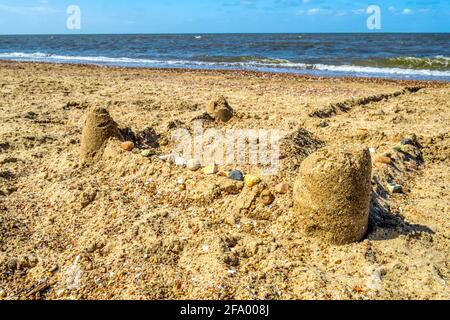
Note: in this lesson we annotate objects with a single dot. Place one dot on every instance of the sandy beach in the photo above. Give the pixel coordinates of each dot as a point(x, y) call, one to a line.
point(123, 228)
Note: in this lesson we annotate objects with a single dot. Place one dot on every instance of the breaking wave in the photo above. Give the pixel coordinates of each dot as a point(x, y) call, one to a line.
point(408, 67)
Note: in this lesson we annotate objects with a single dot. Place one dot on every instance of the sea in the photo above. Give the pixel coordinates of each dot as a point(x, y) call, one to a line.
point(396, 56)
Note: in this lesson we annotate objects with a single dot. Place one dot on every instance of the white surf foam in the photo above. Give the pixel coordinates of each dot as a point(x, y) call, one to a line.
point(267, 64)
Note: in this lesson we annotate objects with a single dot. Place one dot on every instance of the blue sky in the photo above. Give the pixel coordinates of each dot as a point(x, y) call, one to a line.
point(220, 16)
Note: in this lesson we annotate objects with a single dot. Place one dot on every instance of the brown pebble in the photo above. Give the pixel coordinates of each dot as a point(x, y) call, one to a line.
point(267, 198)
point(383, 159)
point(127, 146)
point(282, 188)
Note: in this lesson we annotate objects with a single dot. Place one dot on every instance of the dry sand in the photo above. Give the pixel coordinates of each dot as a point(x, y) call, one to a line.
point(123, 229)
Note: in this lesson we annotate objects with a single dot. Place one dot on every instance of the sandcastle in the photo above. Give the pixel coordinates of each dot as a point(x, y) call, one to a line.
point(332, 194)
point(98, 128)
point(219, 109)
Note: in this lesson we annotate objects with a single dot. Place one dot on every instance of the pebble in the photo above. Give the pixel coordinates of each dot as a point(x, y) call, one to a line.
point(267, 198)
point(223, 174)
point(211, 169)
point(395, 188)
point(251, 181)
point(383, 159)
point(282, 188)
point(181, 181)
point(170, 158)
point(193, 164)
point(236, 175)
point(127, 146)
point(180, 162)
point(372, 150)
point(147, 153)
point(2, 294)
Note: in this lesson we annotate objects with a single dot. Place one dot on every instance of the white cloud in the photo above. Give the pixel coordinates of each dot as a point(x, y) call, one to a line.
point(407, 11)
point(27, 10)
point(392, 9)
point(318, 11)
point(359, 11)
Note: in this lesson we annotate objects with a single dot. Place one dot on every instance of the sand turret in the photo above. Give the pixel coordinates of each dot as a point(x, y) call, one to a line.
point(98, 128)
point(332, 194)
point(219, 109)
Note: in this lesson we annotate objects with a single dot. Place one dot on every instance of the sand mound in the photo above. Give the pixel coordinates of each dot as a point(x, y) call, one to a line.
point(332, 194)
point(98, 128)
point(295, 147)
point(219, 109)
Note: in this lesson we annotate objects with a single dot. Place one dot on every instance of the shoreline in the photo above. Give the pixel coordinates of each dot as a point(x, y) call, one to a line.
point(259, 74)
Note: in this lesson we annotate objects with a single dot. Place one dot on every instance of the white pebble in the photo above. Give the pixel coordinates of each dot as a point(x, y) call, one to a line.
point(180, 162)
point(193, 164)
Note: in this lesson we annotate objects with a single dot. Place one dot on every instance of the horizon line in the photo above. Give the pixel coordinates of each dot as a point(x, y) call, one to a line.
point(214, 33)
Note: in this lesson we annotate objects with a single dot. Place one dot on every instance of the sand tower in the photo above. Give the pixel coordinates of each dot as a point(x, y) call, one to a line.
point(332, 194)
point(219, 109)
point(98, 128)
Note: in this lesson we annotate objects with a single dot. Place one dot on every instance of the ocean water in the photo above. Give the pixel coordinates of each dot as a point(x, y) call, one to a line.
point(399, 56)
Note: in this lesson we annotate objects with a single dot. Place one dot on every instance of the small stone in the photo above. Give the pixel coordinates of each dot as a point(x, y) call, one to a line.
point(170, 158)
point(251, 181)
point(211, 169)
point(2, 294)
point(193, 164)
point(372, 150)
point(223, 174)
point(267, 198)
point(181, 181)
point(180, 162)
point(282, 188)
point(394, 188)
point(398, 148)
point(182, 187)
point(236, 175)
point(148, 153)
point(382, 159)
point(127, 146)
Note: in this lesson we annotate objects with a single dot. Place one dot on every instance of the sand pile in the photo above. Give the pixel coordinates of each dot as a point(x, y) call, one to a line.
point(219, 109)
point(296, 146)
point(332, 194)
point(98, 128)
